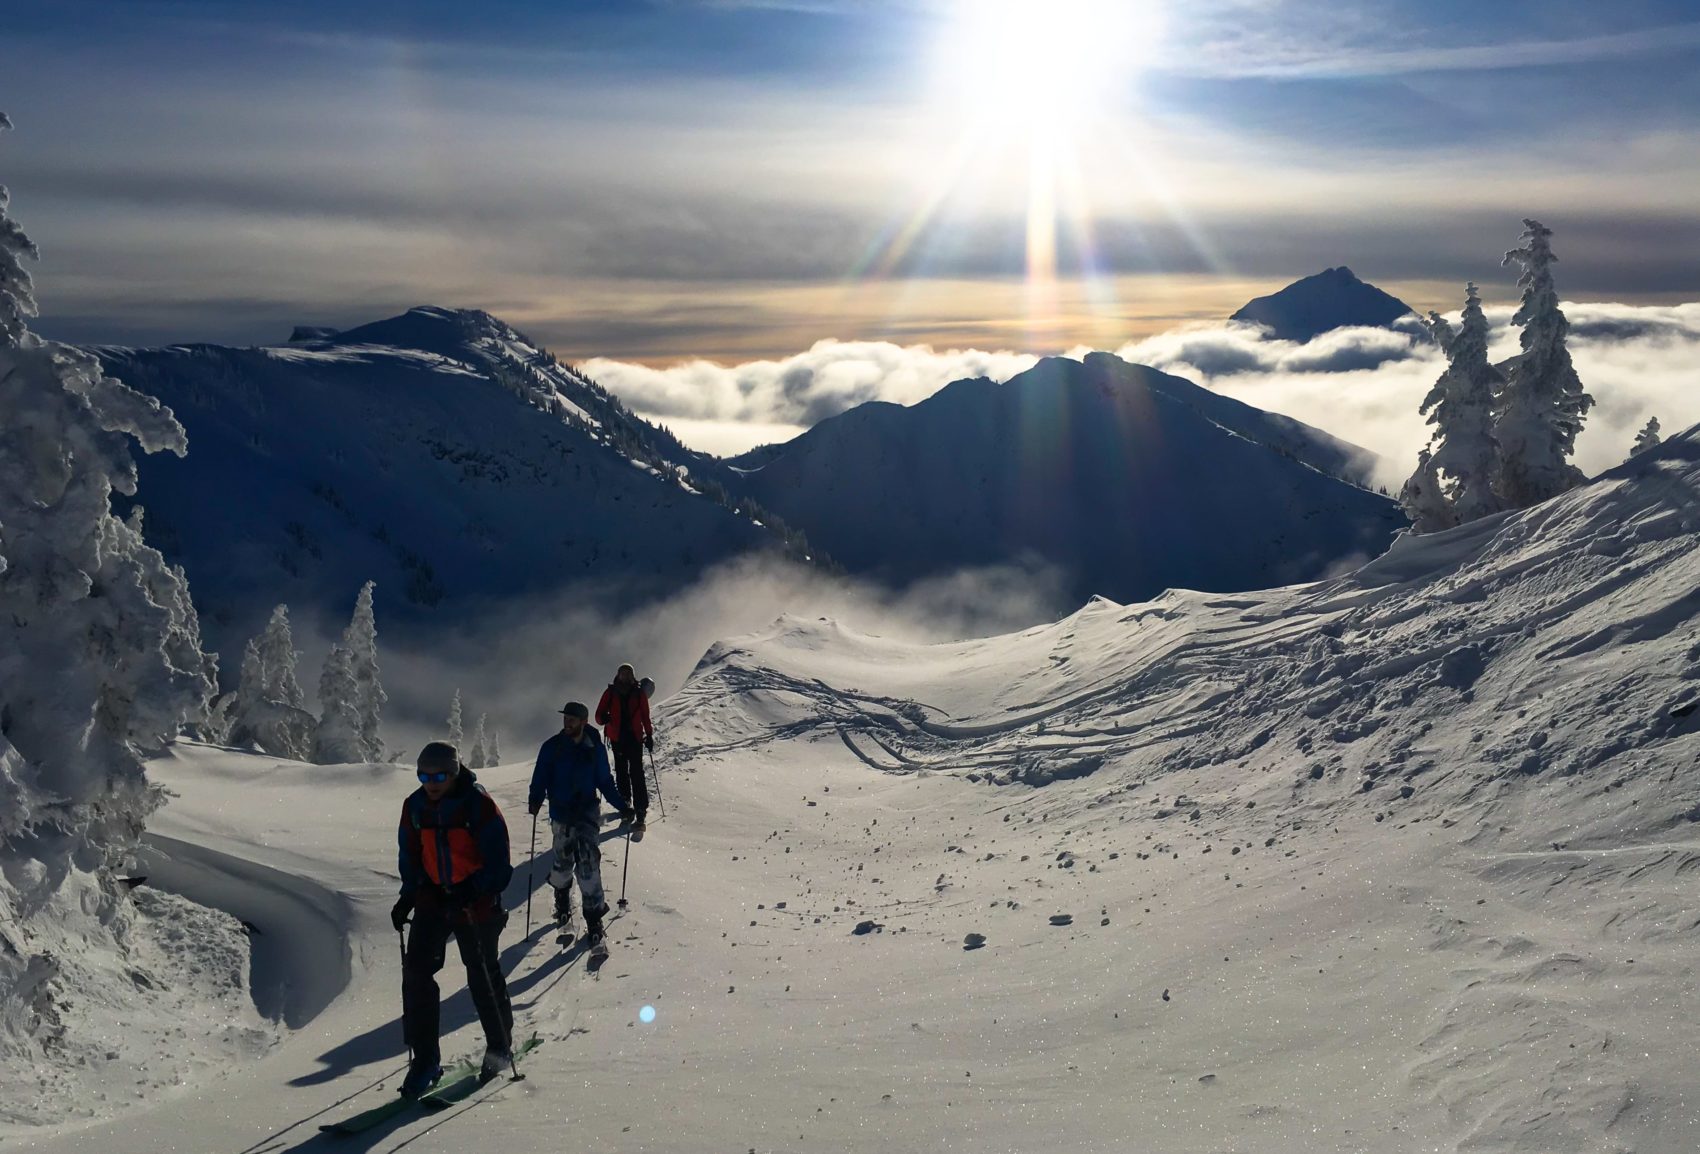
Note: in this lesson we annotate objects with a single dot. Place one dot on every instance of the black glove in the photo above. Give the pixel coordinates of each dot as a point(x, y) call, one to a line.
point(399, 912)
point(649, 743)
point(535, 807)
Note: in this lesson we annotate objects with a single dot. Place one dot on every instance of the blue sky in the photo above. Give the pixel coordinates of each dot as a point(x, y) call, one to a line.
point(660, 180)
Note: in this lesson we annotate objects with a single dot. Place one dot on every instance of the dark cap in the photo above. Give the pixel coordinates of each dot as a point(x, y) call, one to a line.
point(576, 709)
point(439, 755)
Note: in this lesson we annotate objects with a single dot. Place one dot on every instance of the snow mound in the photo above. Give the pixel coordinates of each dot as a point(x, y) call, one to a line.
point(170, 1008)
point(1477, 749)
point(1356, 670)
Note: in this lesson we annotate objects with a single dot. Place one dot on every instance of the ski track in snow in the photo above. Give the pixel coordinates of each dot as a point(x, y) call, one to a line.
point(1398, 861)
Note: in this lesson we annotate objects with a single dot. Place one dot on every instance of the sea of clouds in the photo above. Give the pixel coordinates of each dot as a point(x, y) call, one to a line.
point(1362, 384)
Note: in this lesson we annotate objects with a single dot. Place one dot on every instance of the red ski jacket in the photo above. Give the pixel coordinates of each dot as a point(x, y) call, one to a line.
point(611, 715)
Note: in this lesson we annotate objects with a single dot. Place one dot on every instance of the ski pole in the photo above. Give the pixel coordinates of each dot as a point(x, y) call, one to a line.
point(406, 1038)
point(490, 988)
point(623, 868)
point(659, 800)
point(530, 867)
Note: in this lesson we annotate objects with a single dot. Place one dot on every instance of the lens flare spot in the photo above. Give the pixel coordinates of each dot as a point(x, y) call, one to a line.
point(646, 1015)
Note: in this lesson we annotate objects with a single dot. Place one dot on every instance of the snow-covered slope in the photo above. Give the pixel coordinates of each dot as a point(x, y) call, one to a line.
point(438, 453)
point(1128, 480)
point(1332, 299)
point(1398, 861)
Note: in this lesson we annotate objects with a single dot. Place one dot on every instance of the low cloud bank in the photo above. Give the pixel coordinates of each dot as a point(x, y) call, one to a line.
point(1361, 384)
point(520, 662)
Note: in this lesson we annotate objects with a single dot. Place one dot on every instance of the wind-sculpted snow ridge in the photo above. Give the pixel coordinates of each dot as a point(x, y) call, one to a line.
point(1355, 673)
point(1499, 722)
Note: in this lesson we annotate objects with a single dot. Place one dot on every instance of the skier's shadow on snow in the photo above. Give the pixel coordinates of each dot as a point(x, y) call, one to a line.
point(385, 1042)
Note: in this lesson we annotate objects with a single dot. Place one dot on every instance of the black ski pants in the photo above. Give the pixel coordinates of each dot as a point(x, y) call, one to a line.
point(421, 1001)
point(628, 773)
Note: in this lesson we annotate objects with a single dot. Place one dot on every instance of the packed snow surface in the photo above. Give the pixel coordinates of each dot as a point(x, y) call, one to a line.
point(1398, 861)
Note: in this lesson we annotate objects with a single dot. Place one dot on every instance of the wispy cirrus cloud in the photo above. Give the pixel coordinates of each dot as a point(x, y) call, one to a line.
point(1280, 57)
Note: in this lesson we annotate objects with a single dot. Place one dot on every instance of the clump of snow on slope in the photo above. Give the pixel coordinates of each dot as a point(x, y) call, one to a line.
point(169, 1009)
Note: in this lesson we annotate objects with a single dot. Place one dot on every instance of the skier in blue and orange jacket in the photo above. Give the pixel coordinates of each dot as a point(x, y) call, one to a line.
point(454, 866)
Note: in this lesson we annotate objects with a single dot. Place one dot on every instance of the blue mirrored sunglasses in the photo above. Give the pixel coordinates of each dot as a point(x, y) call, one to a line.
point(435, 778)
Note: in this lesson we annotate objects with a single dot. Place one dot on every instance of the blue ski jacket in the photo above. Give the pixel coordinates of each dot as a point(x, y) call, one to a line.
point(569, 773)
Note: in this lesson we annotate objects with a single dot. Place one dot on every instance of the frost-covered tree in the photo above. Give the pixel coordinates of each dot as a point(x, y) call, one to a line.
point(1647, 437)
point(1543, 404)
point(1424, 500)
point(493, 749)
point(457, 732)
point(1460, 407)
point(360, 640)
point(277, 661)
point(270, 709)
point(100, 659)
point(1441, 330)
point(478, 759)
point(336, 740)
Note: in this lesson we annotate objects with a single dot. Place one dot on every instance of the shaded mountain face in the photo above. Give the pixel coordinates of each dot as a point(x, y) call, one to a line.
point(1329, 300)
point(438, 453)
point(1126, 479)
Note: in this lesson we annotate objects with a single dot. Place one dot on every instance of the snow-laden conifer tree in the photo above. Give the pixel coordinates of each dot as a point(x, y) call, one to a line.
point(1647, 437)
point(336, 740)
point(1543, 404)
point(270, 709)
point(1423, 499)
point(360, 639)
point(100, 661)
point(457, 732)
point(493, 749)
point(1460, 406)
point(277, 661)
point(1441, 330)
point(477, 759)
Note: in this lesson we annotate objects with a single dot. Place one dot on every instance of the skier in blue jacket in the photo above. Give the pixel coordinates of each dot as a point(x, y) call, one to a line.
point(571, 767)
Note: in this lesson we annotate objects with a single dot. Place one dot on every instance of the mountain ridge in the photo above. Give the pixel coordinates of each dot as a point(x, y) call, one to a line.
point(1080, 433)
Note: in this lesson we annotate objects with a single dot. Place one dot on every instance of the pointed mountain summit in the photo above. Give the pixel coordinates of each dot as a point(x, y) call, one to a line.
point(1125, 479)
point(1332, 299)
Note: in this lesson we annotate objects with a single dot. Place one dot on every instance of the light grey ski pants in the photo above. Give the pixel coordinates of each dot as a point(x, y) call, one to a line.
point(577, 854)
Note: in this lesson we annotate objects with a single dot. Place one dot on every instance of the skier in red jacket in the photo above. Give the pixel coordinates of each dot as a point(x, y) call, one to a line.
point(623, 714)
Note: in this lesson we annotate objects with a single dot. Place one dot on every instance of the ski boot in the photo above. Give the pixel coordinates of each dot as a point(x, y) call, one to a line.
point(594, 934)
point(496, 1062)
point(420, 1078)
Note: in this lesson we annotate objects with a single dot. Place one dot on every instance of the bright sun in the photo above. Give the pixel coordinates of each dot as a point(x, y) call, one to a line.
point(1042, 66)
